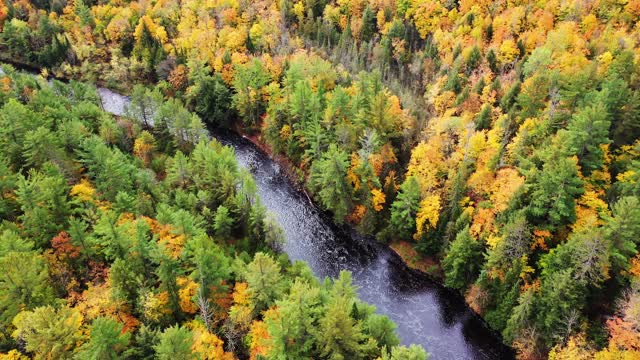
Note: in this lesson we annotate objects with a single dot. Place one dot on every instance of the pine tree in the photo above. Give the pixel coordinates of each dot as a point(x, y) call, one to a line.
point(328, 180)
point(587, 131)
point(623, 230)
point(413, 352)
point(339, 335)
point(265, 281)
point(223, 222)
point(553, 192)
point(175, 343)
point(247, 99)
point(213, 100)
point(462, 262)
point(405, 208)
point(107, 340)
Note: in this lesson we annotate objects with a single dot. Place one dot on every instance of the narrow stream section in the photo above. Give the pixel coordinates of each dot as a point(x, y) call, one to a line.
point(426, 313)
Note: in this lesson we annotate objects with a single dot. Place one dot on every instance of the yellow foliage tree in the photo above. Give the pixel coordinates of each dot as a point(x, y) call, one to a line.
point(207, 345)
point(377, 199)
point(508, 51)
point(259, 346)
point(83, 190)
point(188, 290)
point(507, 182)
point(428, 215)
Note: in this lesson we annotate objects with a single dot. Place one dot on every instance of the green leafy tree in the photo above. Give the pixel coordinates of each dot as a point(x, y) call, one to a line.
point(223, 222)
point(125, 281)
point(522, 316)
point(168, 271)
point(44, 204)
point(462, 262)
point(483, 119)
point(8, 184)
point(111, 170)
point(49, 333)
point(213, 100)
point(474, 59)
point(585, 255)
point(111, 236)
point(10, 241)
point(107, 340)
point(16, 36)
point(143, 343)
point(24, 283)
point(144, 104)
point(211, 267)
point(623, 229)
point(265, 280)
point(553, 192)
point(368, 24)
point(382, 329)
point(561, 299)
point(175, 343)
point(41, 146)
point(405, 208)
point(340, 336)
point(299, 311)
point(587, 131)
point(179, 170)
point(328, 179)
point(247, 85)
point(413, 352)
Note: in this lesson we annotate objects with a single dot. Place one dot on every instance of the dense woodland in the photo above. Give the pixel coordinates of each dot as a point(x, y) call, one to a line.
point(114, 245)
point(499, 138)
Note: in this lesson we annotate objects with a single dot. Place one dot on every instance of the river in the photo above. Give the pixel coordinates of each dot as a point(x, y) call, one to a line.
point(426, 313)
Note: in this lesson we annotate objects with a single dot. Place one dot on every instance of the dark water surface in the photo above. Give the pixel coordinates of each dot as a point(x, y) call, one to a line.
point(426, 313)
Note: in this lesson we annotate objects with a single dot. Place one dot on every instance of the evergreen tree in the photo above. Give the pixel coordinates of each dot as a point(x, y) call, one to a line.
point(623, 229)
point(223, 222)
point(144, 104)
point(405, 208)
point(462, 262)
point(328, 179)
point(265, 280)
point(24, 284)
point(553, 192)
point(107, 340)
point(368, 24)
point(247, 84)
point(340, 336)
point(587, 131)
point(412, 352)
point(175, 342)
point(213, 100)
point(561, 298)
point(299, 312)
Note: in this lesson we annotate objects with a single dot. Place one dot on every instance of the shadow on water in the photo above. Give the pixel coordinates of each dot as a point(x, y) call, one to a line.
point(426, 313)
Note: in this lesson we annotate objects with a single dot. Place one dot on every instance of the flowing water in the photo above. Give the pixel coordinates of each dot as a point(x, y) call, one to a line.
point(426, 313)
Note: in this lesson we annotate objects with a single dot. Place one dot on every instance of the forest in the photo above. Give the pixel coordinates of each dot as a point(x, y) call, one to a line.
point(497, 141)
point(118, 246)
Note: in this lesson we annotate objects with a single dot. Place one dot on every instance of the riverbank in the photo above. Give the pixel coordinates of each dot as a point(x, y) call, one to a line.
point(409, 255)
